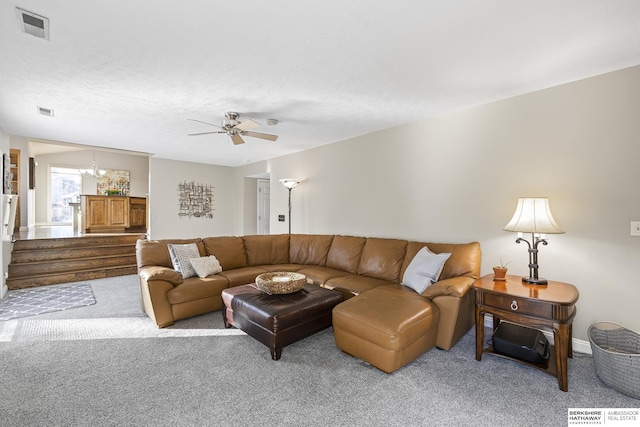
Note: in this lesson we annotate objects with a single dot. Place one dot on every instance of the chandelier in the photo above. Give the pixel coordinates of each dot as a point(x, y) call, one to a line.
point(93, 170)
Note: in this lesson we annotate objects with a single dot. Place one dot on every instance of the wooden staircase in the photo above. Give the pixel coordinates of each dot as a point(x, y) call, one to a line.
point(42, 262)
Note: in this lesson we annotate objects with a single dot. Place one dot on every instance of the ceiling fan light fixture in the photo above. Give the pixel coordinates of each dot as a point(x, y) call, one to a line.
point(236, 129)
point(229, 123)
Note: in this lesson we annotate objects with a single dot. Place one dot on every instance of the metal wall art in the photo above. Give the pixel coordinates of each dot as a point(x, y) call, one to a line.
point(195, 200)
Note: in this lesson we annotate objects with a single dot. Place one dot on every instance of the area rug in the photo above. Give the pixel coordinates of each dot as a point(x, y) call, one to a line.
point(46, 299)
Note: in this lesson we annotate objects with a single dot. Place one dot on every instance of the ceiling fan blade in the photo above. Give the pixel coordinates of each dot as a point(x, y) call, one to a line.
point(262, 135)
point(204, 133)
point(200, 121)
point(237, 139)
point(247, 124)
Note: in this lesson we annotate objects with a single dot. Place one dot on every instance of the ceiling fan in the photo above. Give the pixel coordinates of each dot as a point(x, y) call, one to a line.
point(236, 129)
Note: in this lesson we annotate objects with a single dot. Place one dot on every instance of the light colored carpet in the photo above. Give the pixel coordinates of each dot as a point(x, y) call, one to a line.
point(63, 372)
point(93, 329)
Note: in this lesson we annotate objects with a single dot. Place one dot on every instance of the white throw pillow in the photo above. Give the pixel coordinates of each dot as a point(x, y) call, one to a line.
point(424, 270)
point(181, 256)
point(206, 265)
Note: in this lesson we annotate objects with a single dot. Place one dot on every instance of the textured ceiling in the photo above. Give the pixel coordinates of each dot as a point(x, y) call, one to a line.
point(129, 74)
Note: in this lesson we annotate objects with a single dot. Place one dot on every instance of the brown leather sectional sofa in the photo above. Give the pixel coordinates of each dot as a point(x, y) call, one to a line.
point(349, 264)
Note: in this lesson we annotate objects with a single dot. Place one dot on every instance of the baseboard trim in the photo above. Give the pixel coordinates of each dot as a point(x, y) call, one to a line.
point(579, 346)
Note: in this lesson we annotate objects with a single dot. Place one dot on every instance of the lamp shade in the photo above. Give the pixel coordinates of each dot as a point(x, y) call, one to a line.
point(289, 183)
point(533, 215)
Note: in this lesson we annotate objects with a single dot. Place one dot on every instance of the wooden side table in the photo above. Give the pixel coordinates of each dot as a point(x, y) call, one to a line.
point(551, 306)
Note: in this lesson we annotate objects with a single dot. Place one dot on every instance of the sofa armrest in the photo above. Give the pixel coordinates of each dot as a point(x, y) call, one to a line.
point(160, 273)
point(454, 286)
point(155, 283)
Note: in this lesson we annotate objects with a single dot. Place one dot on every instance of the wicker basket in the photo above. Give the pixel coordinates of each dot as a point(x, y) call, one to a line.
point(281, 282)
point(616, 356)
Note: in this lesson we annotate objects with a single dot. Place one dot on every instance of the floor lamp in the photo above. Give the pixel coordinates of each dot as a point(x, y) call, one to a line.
point(289, 184)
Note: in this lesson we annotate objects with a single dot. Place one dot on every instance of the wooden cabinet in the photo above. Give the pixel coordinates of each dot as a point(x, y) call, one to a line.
point(14, 160)
point(104, 214)
point(113, 214)
point(94, 213)
point(118, 211)
point(138, 214)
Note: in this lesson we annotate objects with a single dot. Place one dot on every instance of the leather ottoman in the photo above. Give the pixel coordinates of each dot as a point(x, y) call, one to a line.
point(279, 320)
point(385, 327)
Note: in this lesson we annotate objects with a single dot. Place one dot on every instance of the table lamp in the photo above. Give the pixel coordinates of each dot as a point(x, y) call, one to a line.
point(533, 215)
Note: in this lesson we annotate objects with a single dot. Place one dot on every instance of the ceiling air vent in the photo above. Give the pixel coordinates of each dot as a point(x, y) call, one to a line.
point(33, 24)
point(45, 111)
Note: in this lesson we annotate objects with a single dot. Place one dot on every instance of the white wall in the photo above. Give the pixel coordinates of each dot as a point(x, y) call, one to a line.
point(137, 165)
point(165, 175)
point(5, 253)
point(457, 177)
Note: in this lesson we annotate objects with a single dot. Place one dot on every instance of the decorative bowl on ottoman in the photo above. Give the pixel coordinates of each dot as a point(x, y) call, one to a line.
point(281, 282)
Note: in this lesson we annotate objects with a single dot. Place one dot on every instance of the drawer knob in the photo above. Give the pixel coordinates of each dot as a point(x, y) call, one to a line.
point(514, 305)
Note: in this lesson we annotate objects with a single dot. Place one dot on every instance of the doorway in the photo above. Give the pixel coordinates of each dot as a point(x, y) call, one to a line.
point(264, 203)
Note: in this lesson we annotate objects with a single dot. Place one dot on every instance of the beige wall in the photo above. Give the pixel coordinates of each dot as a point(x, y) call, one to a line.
point(457, 177)
point(163, 199)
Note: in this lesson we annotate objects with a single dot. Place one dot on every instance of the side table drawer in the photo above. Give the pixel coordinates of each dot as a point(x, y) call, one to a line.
point(519, 305)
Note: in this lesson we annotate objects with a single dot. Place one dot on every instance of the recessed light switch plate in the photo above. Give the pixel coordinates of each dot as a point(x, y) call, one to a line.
point(635, 228)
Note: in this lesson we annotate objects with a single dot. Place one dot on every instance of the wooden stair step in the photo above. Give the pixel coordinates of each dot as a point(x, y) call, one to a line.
point(71, 253)
point(68, 277)
point(84, 241)
point(37, 268)
point(51, 261)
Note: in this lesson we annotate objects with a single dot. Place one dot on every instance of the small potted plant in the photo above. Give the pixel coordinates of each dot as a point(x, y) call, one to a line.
point(500, 271)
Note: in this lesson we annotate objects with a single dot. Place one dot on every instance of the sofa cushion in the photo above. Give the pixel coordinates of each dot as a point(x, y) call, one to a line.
point(273, 268)
point(382, 258)
point(464, 261)
point(424, 270)
point(309, 249)
point(345, 253)
point(319, 275)
point(195, 288)
point(355, 284)
point(267, 249)
point(242, 276)
point(206, 266)
point(156, 252)
point(181, 256)
point(228, 249)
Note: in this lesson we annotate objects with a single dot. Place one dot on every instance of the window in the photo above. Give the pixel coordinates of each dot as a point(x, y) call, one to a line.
point(65, 184)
